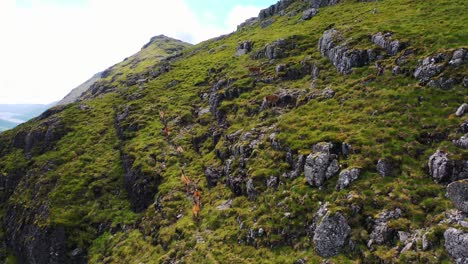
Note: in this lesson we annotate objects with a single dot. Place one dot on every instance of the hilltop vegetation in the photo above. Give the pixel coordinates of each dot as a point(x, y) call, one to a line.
point(305, 135)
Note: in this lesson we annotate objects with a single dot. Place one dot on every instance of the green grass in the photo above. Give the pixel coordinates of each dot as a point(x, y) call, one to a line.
point(380, 116)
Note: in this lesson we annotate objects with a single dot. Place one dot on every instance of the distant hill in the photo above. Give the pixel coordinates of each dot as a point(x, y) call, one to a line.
point(12, 115)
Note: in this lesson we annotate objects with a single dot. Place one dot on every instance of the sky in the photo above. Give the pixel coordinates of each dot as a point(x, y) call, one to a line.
point(48, 47)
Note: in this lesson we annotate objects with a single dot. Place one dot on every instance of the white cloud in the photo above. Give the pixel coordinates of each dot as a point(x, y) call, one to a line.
point(47, 50)
point(239, 14)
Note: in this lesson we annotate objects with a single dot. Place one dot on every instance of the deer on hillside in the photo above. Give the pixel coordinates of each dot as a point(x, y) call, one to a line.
point(197, 197)
point(196, 210)
point(186, 181)
point(270, 100)
point(254, 70)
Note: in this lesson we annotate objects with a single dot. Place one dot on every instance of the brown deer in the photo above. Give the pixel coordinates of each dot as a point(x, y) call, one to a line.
point(162, 115)
point(271, 100)
point(179, 150)
point(254, 70)
point(196, 210)
point(167, 131)
point(197, 197)
point(186, 181)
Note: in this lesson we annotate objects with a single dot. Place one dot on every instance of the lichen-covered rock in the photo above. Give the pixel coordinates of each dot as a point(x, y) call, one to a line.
point(277, 49)
point(322, 3)
point(328, 93)
point(386, 167)
point(462, 142)
point(297, 168)
point(346, 177)
point(443, 83)
point(251, 192)
point(456, 244)
point(212, 175)
point(309, 13)
point(430, 67)
point(442, 169)
point(275, 9)
point(321, 164)
point(244, 48)
point(30, 242)
point(381, 232)
point(141, 187)
point(463, 109)
point(385, 41)
point(458, 193)
point(331, 235)
point(459, 57)
point(342, 57)
point(464, 127)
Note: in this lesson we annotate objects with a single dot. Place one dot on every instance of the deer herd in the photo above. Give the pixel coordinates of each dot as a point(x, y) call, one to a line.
point(191, 188)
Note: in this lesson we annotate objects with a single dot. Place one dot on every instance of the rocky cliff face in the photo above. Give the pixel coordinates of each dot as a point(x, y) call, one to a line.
point(319, 131)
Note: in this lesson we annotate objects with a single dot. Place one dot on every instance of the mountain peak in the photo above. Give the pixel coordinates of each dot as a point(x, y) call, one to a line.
point(162, 39)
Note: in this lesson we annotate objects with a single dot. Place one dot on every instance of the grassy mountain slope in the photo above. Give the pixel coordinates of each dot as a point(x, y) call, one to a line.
point(101, 179)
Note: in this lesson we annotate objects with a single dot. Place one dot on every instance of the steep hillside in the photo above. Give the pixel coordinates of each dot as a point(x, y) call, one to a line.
point(321, 130)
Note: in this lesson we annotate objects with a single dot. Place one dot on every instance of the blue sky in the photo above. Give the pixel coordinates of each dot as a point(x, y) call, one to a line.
point(49, 47)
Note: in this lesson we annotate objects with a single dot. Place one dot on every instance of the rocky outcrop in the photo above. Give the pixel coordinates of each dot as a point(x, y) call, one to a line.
point(40, 138)
point(459, 57)
point(275, 9)
point(385, 41)
point(387, 167)
point(458, 193)
point(464, 127)
point(213, 175)
point(30, 242)
point(8, 183)
point(275, 50)
point(322, 3)
point(381, 232)
point(321, 165)
point(456, 244)
point(462, 142)
point(297, 167)
point(342, 57)
point(141, 187)
point(331, 235)
point(244, 48)
point(309, 13)
point(442, 169)
point(462, 110)
point(346, 177)
point(431, 69)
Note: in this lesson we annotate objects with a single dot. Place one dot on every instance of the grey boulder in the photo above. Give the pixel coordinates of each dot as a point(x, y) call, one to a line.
point(331, 235)
point(442, 169)
point(463, 109)
point(458, 193)
point(456, 244)
point(321, 165)
point(346, 177)
point(309, 13)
